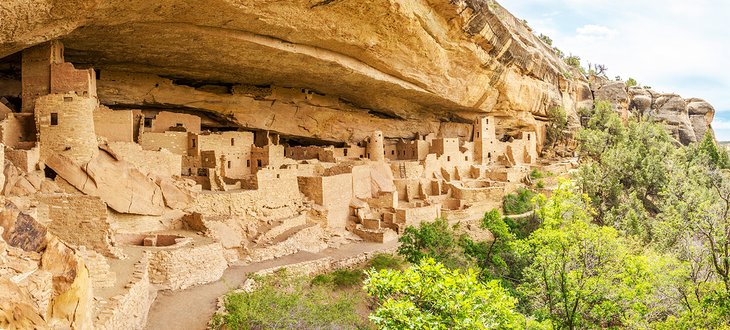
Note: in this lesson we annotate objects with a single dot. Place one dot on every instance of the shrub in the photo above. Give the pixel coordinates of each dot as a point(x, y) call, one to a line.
point(547, 40)
point(537, 174)
point(573, 61)
point(557, 126)
point(518, 203)
point(540, 184)
point(286, 302)
point(631, 82)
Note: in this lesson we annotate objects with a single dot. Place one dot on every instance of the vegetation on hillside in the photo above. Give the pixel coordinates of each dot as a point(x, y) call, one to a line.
point(640, 239)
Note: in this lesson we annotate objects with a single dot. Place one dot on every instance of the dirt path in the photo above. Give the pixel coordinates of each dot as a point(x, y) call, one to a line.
point(192, 308)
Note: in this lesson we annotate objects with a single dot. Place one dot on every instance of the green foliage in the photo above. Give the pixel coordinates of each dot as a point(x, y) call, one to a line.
point(557, 126)
point(286, 302)
point(583, 275)
point(430, 296)
point(519, 202)
point(631, 82)
point(435, 240)
point(537, 174)
point(540, 184)
point(547, 40)
point(624, 170)
point(717, 155)
point(573, 61)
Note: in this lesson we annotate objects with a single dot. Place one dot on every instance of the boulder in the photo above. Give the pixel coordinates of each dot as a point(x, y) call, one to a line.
point(671, 109)
point(21, 230)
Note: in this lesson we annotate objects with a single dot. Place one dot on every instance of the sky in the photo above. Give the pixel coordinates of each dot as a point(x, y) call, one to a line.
point(674, 46)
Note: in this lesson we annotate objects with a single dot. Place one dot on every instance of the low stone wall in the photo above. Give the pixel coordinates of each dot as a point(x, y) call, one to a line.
point(128, 310)
point(181, 267)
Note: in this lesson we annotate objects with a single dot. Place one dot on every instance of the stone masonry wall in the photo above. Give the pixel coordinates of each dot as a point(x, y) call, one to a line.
point(72, 134)
point(182, 267)
point(176, 142)
point(128, 311)
point(80, 220)
point(163, 162)
point(114, 126)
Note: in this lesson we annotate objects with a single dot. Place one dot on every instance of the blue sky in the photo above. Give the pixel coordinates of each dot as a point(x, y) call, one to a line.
point(677, 46)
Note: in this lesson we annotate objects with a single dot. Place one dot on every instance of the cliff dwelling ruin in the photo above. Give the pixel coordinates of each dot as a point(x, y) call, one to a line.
point(134, 163)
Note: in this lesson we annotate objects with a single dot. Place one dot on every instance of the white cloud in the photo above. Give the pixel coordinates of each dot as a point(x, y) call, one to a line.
point(672, 45)
point(592, 31)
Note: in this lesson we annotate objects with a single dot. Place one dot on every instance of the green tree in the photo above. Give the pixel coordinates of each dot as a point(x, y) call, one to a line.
point(437, 240)
point(631, 82)
point(557, 126)
point(431, 296)
point(547, 40)
point(717, 155)
point(573, 61)
point(583, 275)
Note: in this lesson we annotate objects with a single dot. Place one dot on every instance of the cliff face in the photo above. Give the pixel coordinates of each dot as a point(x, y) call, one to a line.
point(402, 66)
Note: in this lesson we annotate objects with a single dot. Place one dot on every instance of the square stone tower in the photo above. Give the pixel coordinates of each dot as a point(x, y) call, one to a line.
point(484, 140)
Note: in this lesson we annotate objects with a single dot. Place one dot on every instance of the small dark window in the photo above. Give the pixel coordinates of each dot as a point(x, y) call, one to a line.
point(466, 157)
point(193, 142)
point(54, 119)
point(248, 163)
point(278, 176)
point(258, 162)
point(448, 158)
point(68, 99)
point(487, 121)
point(233, 142)
point(528, 137)
point(489, 155)
point(178, 125)
point(477, 134)
point(345, 152)
point(392, 152)
point(229, 164)
point(148, 122)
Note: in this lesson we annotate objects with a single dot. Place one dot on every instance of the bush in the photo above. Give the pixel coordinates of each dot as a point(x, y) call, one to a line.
point(518, 203)
point(537, 174)
point(573, 61)
point(557, 126)
point(631, 82)
point(540, 184)
point(437, 240)
point(286, 302)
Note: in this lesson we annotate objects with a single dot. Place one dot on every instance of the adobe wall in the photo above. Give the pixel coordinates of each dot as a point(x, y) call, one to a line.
point(178, 268)
point(376, 147)
point(25, 160)
point(350, 152)
point(416, 215)
point(73, 134)
point(235, 165)
point(163, 163)
point(412, 150)
point(474, 195)
point(269, 155)
point(79, 220)
point(222, 142)
point(175, 142)
point(128, 310)
point(444, 146)
point(278, 185)
point(67, 79)
point(334, 193)
point(36, 72)
point(114, 126)
point(323, 154)
point(18, 130)
point(164, 120)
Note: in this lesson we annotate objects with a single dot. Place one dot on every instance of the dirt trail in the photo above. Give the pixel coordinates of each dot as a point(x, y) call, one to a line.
point(192, 308)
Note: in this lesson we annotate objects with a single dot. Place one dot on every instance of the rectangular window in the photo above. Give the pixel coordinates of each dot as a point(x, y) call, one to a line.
point(233, 142)
point(345, 152)
point(148, 122)
point(229, 164)
point(448, 158)
point(193, 142)
point(258, 162)
point(392, 152)
point(54, 118)
point(477, 134)
point(248, 163)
